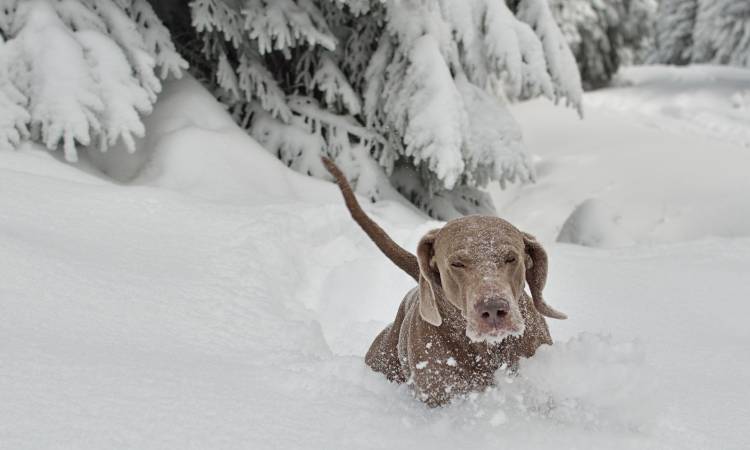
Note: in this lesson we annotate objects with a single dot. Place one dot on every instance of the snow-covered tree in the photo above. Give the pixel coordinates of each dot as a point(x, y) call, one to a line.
point(604, 34)
point(80, 72)
point(703, 31)
point(639, 31)
point(414, 89)
point(722, 32)
point(674, 31)
point(394, 90)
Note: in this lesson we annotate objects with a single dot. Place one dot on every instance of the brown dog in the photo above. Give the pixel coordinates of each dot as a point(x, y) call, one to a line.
point(470, 314)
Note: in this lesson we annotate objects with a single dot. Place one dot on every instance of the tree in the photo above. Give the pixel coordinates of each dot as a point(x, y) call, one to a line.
point(79, 72)
point(674, 35)
point(639, 31)
point(703, 31)
point(722, 33)
point(409, 93)
point(603, 34)
point(415, 90)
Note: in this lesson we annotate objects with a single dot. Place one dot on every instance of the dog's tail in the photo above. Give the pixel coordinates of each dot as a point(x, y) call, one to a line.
point(402, 258)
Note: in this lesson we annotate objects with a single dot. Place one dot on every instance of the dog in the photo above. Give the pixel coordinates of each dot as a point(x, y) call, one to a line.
point(469, 314)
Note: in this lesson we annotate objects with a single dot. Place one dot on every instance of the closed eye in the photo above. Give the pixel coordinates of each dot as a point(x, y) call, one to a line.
point(510, 260)
point(458, 264)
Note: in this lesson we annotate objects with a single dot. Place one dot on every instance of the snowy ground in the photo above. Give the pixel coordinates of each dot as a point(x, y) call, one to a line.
point(219, 300)
point(646, 163)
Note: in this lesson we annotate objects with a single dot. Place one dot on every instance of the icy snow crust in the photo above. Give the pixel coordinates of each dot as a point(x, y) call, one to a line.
point(222, 301)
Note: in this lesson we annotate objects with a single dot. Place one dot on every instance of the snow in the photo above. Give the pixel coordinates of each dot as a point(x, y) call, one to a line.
point(221, 300)
point(661, 159)
point(436, 116)
point(332, 82)
point(593, 224)
point(76, 74)
point(560, 60)
point(706, 99)
point(442, 80)
point(698, 31)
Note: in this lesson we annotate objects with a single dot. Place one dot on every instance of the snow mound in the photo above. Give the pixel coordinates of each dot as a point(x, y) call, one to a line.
point(589, 381)
point(593, 224)
point(594, 379)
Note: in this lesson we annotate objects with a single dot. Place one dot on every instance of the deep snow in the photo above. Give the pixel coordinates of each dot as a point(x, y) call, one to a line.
point(219, 300)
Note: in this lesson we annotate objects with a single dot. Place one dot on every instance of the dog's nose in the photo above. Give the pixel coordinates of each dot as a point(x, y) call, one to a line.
point(493, 310)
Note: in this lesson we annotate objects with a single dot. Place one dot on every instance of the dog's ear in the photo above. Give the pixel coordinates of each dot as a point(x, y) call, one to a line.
point(536, 276)
point(430, 288)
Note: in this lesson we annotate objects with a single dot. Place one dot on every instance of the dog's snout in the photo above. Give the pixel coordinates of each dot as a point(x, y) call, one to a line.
point(493, 310)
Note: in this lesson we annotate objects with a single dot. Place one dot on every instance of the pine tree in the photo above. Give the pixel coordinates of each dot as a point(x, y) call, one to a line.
point(401, 87)
point(80, 72)
point(703, 31)
point(674, 31)
point(638, 31)
point(604, 34)
point(386, 87)
point(722, 33)
point(14, 118)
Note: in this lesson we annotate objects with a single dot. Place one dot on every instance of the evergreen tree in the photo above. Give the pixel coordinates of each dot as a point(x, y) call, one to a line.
point(604, 34)
point(722, 33)
point(703, 31)
point(410, 93)
point(639, 31)
point(416, 90)
point(674, 31)
point(80, 72)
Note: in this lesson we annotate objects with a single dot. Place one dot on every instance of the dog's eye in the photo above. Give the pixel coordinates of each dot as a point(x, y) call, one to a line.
point(510, 260)
point(458, 264)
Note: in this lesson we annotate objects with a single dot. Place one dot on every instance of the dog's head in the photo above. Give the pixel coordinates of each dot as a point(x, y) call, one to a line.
point(480, 265)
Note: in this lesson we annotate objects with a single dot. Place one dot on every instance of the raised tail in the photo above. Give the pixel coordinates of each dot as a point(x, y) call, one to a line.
point(402, 258)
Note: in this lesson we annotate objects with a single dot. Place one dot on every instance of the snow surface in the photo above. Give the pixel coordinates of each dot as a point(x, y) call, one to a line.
point(220, 300)
point(663, 158)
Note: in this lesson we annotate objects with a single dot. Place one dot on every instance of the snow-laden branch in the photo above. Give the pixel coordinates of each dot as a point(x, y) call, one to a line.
point(78, 71)
point(560, 60)
point(431, 79)
point(442, 75)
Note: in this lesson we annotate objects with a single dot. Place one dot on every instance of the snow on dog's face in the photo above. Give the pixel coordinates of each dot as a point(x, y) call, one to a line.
point(480, 265)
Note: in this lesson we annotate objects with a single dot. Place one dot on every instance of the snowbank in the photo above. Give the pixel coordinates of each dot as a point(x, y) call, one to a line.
point(223, 301)
point(643, 156)
point(593, 224)
point(697, 100)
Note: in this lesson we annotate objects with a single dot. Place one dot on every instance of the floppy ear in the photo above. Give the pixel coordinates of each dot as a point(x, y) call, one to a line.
point(536, 276)
point(430, 288)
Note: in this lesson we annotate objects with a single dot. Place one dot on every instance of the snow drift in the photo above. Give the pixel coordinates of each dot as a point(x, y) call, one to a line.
point(222, 301)
point(663, 159)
